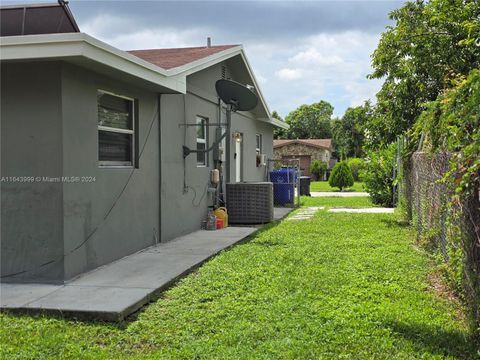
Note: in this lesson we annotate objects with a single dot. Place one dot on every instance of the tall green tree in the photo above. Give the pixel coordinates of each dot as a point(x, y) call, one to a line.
point(431, 44)
point(310, 121)
point(279, 133)
point(348, 132)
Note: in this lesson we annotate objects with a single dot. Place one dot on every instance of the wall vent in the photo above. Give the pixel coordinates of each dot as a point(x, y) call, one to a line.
point(225, 73)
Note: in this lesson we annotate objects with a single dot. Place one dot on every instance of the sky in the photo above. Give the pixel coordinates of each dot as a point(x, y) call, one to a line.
point(301, 51)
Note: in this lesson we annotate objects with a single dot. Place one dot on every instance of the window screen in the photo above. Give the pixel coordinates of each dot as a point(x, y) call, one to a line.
point(258, 148)
point(202, 141)
point(115, 130)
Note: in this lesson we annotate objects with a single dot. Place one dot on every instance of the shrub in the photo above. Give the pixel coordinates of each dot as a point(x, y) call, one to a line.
point(318, 169)
point(378, 175)
point(341, 176)
point(356, 165)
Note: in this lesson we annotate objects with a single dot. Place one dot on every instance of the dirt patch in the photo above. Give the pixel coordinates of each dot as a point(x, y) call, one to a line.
point(441, 289)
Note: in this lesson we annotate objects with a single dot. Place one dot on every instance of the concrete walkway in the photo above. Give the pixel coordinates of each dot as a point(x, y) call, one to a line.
point(338, 194)
point(305, 213)
point(118, 289)
point(364, 210)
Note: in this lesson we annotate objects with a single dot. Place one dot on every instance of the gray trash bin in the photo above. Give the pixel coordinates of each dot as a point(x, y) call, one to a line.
point(305, 185)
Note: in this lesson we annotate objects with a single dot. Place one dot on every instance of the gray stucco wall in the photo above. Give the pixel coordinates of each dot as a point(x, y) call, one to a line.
point(31, 147)
point(133, 222)
point(49, 130)
point(182, 211)
point(203, 83)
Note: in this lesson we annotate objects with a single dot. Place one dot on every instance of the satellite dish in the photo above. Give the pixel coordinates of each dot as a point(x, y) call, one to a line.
point(235, 94)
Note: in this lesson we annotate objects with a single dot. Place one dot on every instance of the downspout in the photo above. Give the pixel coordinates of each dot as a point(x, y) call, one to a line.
point(159, 98)
point(227, 145)
point(218, 163)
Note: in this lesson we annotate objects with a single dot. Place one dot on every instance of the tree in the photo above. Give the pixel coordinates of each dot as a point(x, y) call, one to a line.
point(348, 132)
point(318, 169)
point(310, 121)
point(431, 44)
point(339, 144)
point(278, 132)
point(341, 176)
point(356, 165)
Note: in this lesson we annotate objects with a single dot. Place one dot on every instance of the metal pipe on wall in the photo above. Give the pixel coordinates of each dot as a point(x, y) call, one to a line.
point(227, 143)
point(159, 100)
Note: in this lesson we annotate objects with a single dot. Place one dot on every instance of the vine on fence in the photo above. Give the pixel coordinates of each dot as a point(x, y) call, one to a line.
point(451, 125)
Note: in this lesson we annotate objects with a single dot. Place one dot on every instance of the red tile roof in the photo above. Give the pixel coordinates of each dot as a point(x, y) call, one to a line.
point(172, 58)
point(322, 143)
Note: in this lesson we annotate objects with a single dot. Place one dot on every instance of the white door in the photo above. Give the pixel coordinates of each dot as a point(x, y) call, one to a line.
point(238, 160)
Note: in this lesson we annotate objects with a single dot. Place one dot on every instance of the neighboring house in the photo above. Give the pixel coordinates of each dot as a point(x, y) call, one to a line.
point(305, 150)
point(91, 144)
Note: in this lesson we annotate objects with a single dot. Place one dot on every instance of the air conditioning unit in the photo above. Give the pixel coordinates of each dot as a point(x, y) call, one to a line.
point(250, 202)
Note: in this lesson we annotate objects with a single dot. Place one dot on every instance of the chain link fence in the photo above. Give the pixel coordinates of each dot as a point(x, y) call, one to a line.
point(285, 176)
point(451, 227)
point(429, 197)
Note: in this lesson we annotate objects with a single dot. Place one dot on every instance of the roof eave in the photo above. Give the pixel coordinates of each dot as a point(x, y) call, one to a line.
point(279, 123)
point(64, 46)
point(216, 58)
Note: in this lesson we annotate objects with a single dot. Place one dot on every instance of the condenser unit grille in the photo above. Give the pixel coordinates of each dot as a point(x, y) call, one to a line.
point(250, 203)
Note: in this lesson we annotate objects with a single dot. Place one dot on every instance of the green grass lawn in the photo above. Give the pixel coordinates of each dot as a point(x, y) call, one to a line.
point(328, 202)
point(324, 186)
point(338, 286)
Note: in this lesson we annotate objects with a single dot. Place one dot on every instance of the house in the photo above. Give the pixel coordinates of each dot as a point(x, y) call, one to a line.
point(306, 150)
point(92, 166)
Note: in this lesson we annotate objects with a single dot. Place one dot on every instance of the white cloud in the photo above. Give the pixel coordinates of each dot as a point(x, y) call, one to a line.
point(358, 92)
point(122, 33)
point(332, 67)
point(312, 57)
point(329, 66)
point(289, 74)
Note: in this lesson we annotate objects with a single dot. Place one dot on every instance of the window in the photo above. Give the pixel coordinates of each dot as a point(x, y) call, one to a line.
point(202, 140)
point(115, 130)
point(258, 148)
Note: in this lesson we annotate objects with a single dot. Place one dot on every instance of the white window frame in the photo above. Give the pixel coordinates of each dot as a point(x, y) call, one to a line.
point(118, 164)
point(258, 144)
point(199, 120)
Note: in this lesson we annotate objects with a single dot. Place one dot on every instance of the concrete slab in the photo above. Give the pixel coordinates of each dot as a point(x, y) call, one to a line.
point(338, 194)
point(118, 289)
point(106, 303)
point(143, 270)
point(364, 210)
point(279, 213)
point(17, 295)
point(204, 241)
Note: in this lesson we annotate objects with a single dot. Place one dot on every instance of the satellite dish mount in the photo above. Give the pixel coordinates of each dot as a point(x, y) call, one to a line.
point(237, 97)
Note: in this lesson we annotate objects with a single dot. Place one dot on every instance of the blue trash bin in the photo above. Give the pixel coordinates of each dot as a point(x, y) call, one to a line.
point(283, 185)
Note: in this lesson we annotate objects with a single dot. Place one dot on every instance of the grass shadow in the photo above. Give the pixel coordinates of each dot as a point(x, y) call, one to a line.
point(436, 340)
